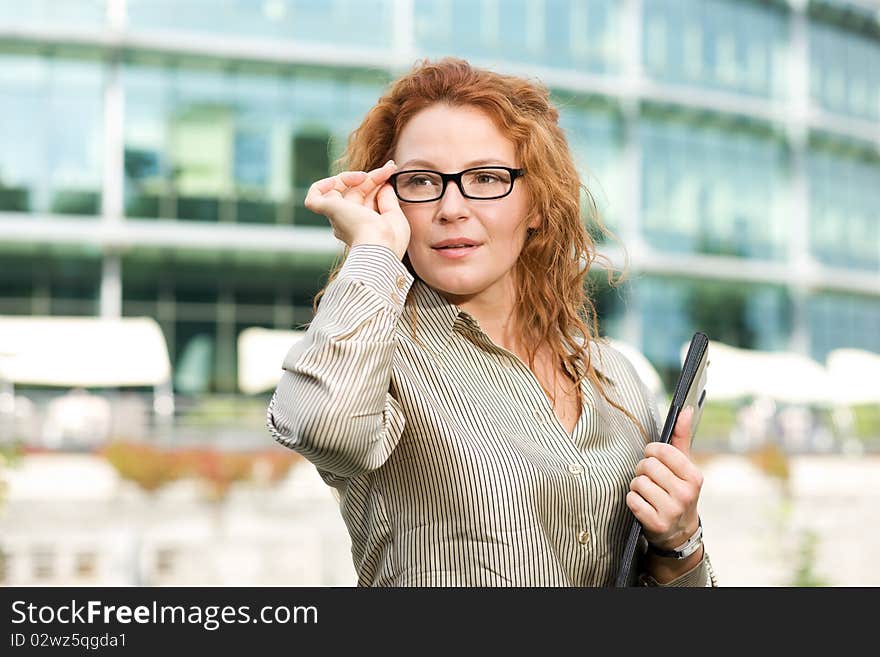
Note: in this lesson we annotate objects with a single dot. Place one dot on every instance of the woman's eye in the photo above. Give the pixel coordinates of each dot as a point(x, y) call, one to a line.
point(418, 181)
point(486, 178)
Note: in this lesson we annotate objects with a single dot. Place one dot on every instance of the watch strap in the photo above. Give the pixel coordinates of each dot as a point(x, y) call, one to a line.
point(684, 550)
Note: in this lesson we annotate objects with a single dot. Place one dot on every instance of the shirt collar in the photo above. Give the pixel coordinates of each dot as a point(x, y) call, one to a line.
point(433, 319)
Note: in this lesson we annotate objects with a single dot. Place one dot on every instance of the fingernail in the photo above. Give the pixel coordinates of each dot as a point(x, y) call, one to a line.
point(389, 162)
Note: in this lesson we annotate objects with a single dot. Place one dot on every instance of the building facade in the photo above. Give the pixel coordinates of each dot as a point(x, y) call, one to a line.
point(156, 155)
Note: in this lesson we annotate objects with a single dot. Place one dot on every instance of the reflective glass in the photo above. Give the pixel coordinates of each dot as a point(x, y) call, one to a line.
point(717, 43)
point(713, 189)
point(235, 143)
point(845, 71)
point(75, 156)
point(843, 320)
point(845, 209)
point(365, 23)
point(58, 13)
point(42, 281)
point(74, 285)
point(204, 300)
point(750, 316)
point(562, 33)
point(147, 165)
point(56, 169)
point(595, 136)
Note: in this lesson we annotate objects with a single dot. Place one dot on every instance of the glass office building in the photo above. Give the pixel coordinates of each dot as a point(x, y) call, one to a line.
point(155, 156)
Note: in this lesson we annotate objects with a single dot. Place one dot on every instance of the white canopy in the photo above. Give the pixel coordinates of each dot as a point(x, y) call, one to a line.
point(854, 375)
point(260, 355)
point(783, 376)
point(83, 351)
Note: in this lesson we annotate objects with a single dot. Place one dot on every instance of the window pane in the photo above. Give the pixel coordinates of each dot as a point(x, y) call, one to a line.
point(843, 320)
point(717, 43)
point(75, 156)
point(65, 13)
point(563, 33)
point(24, 87)
point(744, 315)
point(238, 143)
point(716, 189)
point(366, 23)
point(844, 69)
point(844, 206)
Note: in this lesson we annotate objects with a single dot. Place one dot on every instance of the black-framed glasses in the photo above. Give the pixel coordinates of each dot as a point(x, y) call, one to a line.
point(481, 183)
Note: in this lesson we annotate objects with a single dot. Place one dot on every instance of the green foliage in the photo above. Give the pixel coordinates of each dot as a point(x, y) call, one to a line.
point(867, 421)
point(717, 421)
point(10, 453)
point(220, 411)
point(805, 560)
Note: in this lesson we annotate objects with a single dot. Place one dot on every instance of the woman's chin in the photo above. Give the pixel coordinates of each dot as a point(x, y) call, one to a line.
point(457, 289)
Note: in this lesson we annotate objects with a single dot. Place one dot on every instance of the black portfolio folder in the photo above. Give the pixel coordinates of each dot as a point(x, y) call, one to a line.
point(689, 391)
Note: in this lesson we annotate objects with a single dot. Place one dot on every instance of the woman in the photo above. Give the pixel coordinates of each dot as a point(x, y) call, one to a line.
point(451, 387)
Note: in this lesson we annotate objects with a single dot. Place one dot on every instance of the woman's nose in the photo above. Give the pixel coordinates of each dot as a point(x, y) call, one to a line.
point(453, 204)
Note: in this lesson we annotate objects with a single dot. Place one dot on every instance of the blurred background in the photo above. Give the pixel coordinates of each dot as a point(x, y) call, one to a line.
point(157, 262)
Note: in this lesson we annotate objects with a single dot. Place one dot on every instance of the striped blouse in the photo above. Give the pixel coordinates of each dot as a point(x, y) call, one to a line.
point(449, 463)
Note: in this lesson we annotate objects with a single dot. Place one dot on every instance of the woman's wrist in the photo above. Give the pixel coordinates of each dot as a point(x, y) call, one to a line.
point(664, 570)
point(680, 548)
point(380, 240)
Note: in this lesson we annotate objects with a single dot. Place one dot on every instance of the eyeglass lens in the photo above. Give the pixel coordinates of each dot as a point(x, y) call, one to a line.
point(476, 183)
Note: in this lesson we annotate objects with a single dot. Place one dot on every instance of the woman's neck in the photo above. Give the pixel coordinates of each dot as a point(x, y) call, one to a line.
point(493, 309)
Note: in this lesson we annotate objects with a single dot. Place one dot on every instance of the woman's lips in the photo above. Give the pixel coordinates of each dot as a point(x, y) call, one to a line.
point(457, 252)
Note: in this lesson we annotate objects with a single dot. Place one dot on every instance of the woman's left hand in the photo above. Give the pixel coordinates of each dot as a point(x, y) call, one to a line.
point(665, 491)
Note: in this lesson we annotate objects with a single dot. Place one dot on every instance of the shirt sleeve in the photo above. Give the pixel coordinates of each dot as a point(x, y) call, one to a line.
point(333, 404)
point(699, 575)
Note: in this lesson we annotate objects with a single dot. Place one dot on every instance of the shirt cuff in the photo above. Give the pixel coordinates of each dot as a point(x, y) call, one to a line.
point(696, 576)
point(378, 268)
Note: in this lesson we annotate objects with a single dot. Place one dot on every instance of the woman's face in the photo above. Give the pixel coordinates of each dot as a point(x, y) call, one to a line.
point(450, 139)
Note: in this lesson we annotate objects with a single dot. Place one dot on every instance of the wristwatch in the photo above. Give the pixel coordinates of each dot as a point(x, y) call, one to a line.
point(684, 550)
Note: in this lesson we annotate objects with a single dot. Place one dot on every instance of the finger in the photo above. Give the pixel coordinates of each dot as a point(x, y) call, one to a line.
point(674, 459)
point(314, 199)
point(370, 200)
point(660, 474)
point(681, 435)
point(644, 512)
point(658, 498)
point(324, 185)
point(386, 200)
point(372, 181)
point(350, 179)
point(332, 206)
point(322, 189)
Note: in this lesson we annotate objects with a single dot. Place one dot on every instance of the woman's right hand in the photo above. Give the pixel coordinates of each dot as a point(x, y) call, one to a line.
point(362, 208)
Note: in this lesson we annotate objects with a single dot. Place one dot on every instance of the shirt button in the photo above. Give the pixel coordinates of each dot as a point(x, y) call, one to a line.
point(575, 468)
point(400, 282)
point(395, 297)
point(583, 537)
